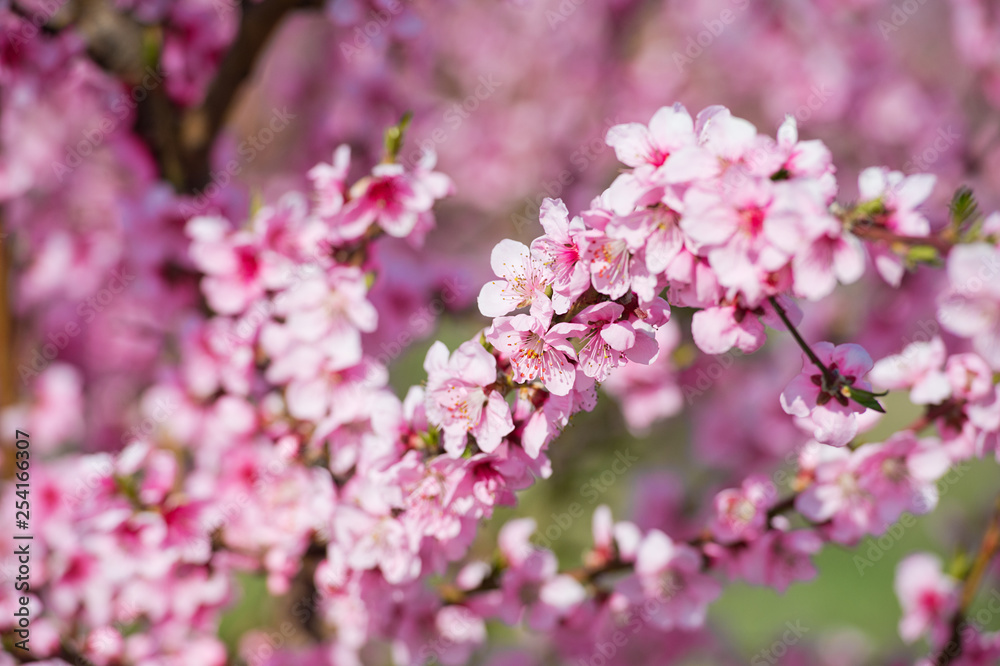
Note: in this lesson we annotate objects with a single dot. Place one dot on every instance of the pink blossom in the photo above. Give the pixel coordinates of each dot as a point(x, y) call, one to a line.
point(972, 427)
point(669, 130)
point(281, 437)
point(900, 474)
point(609, 256)
point(528, 570)
point(521, 285)
point(461, 632)
point(216, 356)
point(557, 598)
point(57, 413)
point(734, 230)
point(658, 232)
point(608, 341)
point(359, 428)
point(536, 351)
point(602, 528)
point(487, 481)
point(741, 514)
point(329, 182)
point(718, 329)
point(670, 573)
point(971, 307)
point(778, 558)
point(287, 236)
point(900, 196)
point(918, 368)
point(324, 315)
point(823, 255)
point(234, 276)
point(560, 254)
point(970, 377)
point(378, 541)
point(823, 403)
point(195, 42)
point(830, 259)
point(928, 598)
point(458, 398)
point(837, 498)
point(806, 159)
point(390, 197)
point(730, 139)
point(544, 422)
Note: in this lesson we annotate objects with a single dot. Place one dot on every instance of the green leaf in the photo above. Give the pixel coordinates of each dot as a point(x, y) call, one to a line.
point(864, 214)
point(870, 208)
point(864, 398)
point(151, 45)
point(923, 254)
point(394, 137)
point(959, 566)
point(963, 207)
point(431, 438)
point(256, 202)
point(484, 342)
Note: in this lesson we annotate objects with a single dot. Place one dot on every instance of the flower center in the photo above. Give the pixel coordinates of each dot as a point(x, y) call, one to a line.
point(894, 469)
point(752, 220)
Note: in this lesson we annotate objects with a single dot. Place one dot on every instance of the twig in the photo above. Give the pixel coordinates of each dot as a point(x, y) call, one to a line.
point(987, 550)
point(828, 375)
point(869, 231)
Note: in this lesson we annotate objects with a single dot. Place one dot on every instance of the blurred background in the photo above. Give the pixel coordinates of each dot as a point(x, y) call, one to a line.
point(515, 98)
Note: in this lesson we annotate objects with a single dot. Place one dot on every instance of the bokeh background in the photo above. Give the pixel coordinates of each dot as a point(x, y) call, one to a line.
point(515, 97)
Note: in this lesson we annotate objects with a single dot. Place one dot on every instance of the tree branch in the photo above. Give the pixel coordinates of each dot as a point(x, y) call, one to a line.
point(987, 551)
point(199, 127)
point(181, 140)
point(827, 374)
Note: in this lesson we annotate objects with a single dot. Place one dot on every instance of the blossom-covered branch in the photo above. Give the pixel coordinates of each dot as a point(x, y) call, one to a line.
point(267, 439)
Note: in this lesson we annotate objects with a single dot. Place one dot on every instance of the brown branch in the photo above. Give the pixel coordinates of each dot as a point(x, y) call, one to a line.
point(199, 127)
point(828, 375)
point(869, 231)
point(181, 140)
point(987, 551)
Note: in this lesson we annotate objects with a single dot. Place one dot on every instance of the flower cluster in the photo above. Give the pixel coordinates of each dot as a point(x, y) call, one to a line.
point(205, 377)
point(727, 218)
point(959, 391)
point(287, 452)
